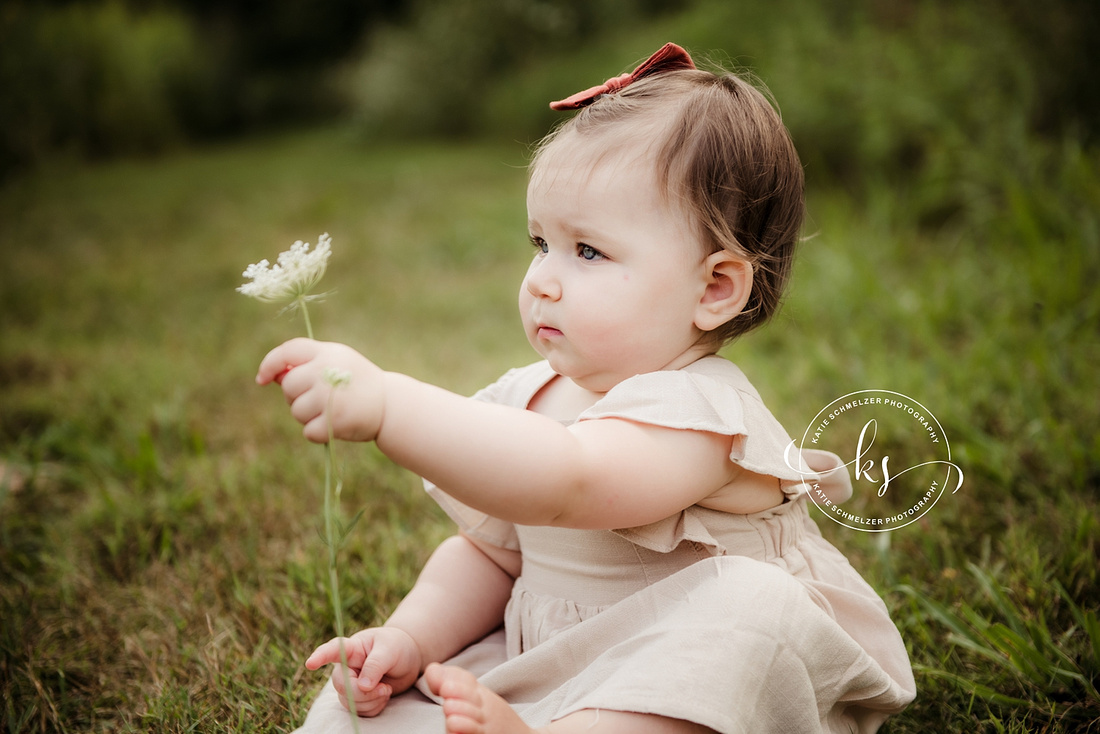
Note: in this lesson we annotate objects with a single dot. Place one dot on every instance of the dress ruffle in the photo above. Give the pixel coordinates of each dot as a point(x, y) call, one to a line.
point(714, 395)
point(475, 523)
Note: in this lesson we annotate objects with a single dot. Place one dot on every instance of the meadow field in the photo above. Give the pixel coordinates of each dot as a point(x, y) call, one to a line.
point(161, 566)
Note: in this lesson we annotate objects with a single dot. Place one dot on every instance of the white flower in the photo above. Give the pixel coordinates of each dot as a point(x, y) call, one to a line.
point(291, 279)
point(336, 378)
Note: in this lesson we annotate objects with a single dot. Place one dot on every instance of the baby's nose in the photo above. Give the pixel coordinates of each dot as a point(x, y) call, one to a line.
point(542, 281)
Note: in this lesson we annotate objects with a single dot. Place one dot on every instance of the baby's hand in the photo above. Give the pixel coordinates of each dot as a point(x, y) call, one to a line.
point(300, 366)
point(382, 662)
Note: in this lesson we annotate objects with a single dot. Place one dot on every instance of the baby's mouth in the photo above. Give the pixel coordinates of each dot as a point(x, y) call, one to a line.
point(548, 332)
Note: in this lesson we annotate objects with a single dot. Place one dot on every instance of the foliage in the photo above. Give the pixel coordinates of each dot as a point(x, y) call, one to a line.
point(428, 75)
point(119, 77)
point(936, 105)
point(96, 78)
point(1023, 647)
point(285, 35)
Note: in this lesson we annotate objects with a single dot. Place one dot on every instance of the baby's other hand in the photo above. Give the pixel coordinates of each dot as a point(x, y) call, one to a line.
point(382, 662)
point(303, 367)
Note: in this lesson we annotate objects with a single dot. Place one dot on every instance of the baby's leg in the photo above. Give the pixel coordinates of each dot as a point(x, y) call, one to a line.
point(471, 708)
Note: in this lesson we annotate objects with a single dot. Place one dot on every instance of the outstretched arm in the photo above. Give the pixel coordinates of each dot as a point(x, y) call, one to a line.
point(513, 464)
point(532, 470)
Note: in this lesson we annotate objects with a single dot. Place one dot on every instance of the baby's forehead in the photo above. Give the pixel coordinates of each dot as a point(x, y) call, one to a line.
point(586, 187)
point(581, 163)
point(573, 183)
point(610, 143)
point(624, 175)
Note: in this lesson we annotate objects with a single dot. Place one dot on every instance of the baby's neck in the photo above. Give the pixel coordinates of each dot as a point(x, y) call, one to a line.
point(563, 400)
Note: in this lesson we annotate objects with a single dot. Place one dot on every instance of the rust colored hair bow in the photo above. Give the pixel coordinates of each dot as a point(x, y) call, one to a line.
point(669, 57)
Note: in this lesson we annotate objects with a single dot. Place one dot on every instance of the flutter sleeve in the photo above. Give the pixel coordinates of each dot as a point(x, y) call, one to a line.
point(713, 395)
point(515, 388)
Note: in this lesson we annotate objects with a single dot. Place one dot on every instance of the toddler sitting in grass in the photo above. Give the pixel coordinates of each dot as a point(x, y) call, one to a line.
point(634, 552)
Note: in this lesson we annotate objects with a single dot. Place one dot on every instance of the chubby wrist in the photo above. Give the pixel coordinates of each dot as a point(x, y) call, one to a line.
point(364, 410)
point(413, 646)
point(381, 401)
point(397, 396)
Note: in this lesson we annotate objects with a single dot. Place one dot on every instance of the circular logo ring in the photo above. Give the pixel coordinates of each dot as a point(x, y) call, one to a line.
point(869, 469)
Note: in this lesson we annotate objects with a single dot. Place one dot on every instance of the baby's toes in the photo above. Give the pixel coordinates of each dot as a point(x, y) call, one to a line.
point(458, 683)
point(447, 681)
point(462, 698)
point(463, 717)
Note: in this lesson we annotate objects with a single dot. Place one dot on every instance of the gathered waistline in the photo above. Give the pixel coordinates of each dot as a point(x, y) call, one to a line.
point(764, 536)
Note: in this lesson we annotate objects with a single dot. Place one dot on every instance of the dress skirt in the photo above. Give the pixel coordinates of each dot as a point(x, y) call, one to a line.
point(775, 634)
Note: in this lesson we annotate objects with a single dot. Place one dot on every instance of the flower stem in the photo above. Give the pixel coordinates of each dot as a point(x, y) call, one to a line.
point(332, 492)
point(305, 315)
point(331, 510)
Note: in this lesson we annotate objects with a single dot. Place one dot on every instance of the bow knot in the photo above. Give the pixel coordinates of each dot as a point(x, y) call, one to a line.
point(669, 57)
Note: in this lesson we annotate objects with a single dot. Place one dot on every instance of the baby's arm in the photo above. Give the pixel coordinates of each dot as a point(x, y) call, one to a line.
point(512, 464)
point(458, 599)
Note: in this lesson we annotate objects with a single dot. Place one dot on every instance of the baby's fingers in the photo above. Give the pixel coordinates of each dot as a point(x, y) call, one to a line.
point(284, 357)
point(329, 653)
point(316, 429)
point(365, 702)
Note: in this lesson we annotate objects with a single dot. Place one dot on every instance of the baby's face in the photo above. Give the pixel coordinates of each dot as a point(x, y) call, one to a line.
point(617, 273)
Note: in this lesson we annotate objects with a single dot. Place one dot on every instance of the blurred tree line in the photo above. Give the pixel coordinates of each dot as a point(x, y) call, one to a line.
point(106, 77)
point(110, 77)
point(951, 104)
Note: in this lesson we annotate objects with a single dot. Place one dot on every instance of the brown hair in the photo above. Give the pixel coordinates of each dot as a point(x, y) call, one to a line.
point(727, 161)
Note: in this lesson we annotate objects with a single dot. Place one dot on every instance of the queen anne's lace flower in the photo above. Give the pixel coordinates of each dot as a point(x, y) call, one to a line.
point(291, 279)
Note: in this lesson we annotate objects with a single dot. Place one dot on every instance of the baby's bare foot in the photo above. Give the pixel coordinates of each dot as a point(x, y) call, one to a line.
point(470, 707)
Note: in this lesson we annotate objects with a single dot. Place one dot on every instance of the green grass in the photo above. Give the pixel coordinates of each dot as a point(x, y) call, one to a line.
point(161, 565)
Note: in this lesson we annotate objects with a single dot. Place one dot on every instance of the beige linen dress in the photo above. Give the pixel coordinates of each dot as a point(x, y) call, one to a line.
point(742, 623)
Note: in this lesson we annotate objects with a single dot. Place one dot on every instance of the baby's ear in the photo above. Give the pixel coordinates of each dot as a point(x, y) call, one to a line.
point(729, 283)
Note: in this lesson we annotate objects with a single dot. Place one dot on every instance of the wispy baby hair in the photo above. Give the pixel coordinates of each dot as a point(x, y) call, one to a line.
point(726, 159)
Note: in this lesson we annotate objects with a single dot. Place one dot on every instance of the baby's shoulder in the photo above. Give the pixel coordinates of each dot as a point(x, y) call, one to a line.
point(711, 394)
point(723, 371)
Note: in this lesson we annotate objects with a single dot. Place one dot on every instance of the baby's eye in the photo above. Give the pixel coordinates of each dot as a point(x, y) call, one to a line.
point(588, 252)
point(540, 244)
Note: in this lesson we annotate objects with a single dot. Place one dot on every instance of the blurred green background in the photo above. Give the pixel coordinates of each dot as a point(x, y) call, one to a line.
point(920, 92)
point(160, 565)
